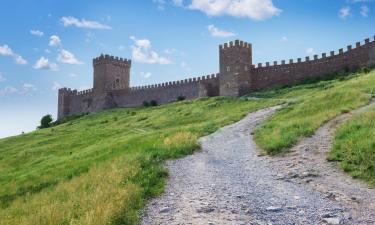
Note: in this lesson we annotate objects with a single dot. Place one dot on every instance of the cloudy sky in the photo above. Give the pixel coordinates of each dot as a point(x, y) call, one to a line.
point(48, 44)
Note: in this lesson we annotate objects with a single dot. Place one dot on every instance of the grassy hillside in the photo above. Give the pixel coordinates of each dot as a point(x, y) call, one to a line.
point(309, 106)
point(99, 169)
point(354, 146)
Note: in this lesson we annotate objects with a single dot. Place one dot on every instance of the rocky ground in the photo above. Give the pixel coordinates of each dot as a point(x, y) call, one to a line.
point(228, 182)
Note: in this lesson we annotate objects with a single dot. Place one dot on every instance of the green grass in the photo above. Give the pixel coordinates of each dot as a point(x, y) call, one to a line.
point(309, 106)
point(354, 147)
point(101, 168)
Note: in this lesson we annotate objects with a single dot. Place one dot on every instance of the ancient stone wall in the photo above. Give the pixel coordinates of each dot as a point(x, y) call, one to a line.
point(168, 92)
point(237, 77)
point(287, 73)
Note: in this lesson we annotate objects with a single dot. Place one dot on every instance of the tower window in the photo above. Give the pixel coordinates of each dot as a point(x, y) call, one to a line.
point(228, 68)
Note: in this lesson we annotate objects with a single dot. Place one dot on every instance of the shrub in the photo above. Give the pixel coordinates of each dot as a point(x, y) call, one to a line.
point(181, 98)
point(146, 104)
point(46, 121)
point(153, 103)
point(365, 69)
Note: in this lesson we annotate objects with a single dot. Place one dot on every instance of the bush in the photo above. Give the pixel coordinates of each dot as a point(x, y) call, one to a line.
point(146, 104)
point(181, 98)
point(153, 103)
point(46, 121)
point(365, 69)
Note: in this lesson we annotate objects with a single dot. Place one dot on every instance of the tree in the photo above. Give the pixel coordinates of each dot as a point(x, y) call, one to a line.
point(46, 121)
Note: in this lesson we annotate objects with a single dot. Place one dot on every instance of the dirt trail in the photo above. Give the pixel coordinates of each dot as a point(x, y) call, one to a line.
point(227, 183)
point(306, 164)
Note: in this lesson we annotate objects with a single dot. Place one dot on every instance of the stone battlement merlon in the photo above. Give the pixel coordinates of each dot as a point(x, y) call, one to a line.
point(367, 42)
point(176, 83)
point(111, 59)
point(236, 43)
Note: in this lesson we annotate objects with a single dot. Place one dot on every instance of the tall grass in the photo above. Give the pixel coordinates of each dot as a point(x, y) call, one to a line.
point(101, 168)
point(354, 147)
point(309, 107)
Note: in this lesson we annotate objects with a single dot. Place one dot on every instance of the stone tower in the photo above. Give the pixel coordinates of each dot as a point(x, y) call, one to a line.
point(111, 73)
point(235, 67)
point(65, 98)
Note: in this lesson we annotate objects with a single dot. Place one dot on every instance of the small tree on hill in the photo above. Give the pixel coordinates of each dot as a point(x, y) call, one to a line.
point(46, 121)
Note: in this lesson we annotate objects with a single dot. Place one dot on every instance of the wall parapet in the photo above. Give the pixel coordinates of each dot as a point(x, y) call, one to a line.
point(316, 58)
point(111, 59)
point(236, 43)
point(177, 83)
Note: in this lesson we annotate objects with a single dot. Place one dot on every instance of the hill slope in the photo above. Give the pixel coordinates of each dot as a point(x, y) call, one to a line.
point(101, 167)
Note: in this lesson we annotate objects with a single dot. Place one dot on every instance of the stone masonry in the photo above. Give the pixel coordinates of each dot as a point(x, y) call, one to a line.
point(237, 76)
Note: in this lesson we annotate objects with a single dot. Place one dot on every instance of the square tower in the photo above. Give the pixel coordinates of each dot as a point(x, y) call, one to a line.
point(111, 73)
point(235, 66)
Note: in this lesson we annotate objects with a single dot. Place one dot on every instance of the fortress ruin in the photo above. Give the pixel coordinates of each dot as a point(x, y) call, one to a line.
point(237, 76)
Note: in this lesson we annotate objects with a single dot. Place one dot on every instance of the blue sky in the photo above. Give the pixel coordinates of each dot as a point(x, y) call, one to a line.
point(48, 44)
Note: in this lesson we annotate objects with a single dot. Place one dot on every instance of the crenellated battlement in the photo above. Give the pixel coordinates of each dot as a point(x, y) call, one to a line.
point(67, 91)
point(319, 58)
point(236, 43)
point(177, 83)
point(105, 59)
point(237, 76)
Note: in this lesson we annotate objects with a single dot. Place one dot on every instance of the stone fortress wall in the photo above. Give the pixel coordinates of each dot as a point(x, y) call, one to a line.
point(237, 76)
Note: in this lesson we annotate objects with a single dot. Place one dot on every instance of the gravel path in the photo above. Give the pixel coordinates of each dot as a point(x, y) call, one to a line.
point(306, 164)
point(227, 183)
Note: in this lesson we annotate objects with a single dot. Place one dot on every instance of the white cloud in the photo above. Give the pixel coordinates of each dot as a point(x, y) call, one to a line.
point(141, 51)
point(310, 51)
point(54, 40)
point(71, 21)
point(364, 11)
point(37, 33)
point(20, 60)
point(284, 39)
point(73, 75)
point(44, 64)
point(253, 9)
point(344, 12)
point(170, 51)
point(216, 32)
point(177, 2)
point(68, 58)
point(145, 75)
point(160, 3)
point(5, 50)
point(28, 87)
point(56, 86)
point(2, 78)
point(8, 90)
